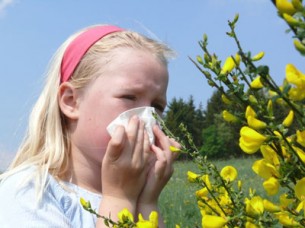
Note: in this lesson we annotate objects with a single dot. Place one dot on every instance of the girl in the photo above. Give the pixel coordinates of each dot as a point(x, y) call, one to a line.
point(67, 153)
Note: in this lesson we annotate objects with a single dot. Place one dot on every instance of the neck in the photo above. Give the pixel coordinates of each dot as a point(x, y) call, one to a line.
point(84, 171)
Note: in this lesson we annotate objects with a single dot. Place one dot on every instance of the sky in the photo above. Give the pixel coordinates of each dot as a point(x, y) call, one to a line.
point(31, 31)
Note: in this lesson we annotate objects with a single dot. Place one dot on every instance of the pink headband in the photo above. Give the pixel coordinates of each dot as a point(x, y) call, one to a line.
point(79, 46)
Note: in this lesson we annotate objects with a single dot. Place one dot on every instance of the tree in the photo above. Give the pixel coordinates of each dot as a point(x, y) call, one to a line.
point(219, 138)
point(181, 112)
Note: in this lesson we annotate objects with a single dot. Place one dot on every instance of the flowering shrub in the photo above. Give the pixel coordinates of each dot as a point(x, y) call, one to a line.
point(125, 218)
point(252, 99)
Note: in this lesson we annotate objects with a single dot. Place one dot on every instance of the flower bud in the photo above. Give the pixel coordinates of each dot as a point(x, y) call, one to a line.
point(270, 107)
point(239, 185)
point(290, 20)
point(284, 6)
point(192, 177)
point(289, 119)
point(174, 149)
point(256, 83)
point(212, 221)
point(225, 99)
point(206, 57)
point(227, 116)
point(301, 137)
point(297, 4)
point(252, 99)
point(250, 112)
point(271, 207)
point(258, 56)
point(256, 123)
point(199, 59)
point(300, 189)
point(299, 46)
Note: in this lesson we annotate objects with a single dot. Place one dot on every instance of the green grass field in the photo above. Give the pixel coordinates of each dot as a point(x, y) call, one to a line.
point(178, 201)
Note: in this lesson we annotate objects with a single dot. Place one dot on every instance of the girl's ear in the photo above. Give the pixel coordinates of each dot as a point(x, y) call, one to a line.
point(68, 98)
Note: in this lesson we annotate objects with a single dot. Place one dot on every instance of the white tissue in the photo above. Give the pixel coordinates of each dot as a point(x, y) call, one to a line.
point(144, 113)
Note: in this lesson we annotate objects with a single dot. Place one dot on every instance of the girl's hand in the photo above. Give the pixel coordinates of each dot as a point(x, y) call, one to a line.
point(124, 167)
point(160, 168)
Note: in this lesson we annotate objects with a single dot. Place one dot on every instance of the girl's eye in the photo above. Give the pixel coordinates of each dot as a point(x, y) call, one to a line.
point(129, 97)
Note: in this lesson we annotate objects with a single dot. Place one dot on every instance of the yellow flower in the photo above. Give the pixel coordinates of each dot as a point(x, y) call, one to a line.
point(255, 206)
point(278, 134)
point(269, 106)
point(227, 116)
point(250, 225)
point(174, 149)
point(252, 99)
point(229, 64)
point(250, 112)
point(299, 189)
point(285, 219)
point(258, 56)
point(84, 203)
point(225, 99)
point(270, 155)
point(290, 20)
point(297, 4)
point(250, 140)
point(256, 83)
point(285, 153)
point(299, 46)
point(296, 94)
point(284, 201)
point(211, 221)
point(228, 173)
point(206, 181)
point(300, 207)
point(300, 153)
point(151, 223)
point(284, 6)
point(294, 76)
point(256, 123)
point(265, 169)
point(125, 216)
point(289, 119)
point(192, 177)
point(271, 186)
point(239, 185)
point(202, 193)
point(271, 207)
point(301, 137)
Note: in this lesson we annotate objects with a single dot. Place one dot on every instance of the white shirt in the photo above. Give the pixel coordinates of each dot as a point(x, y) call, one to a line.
point(59, 207)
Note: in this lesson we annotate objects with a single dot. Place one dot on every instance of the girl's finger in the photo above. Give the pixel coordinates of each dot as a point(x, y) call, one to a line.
point(116, 144)
point(132, 133)
point(161, 163)
point(139, 144)
point(164, 142)
point(147, 154)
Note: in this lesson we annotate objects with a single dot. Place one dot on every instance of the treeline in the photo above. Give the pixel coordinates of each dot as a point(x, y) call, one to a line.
point(211, 134)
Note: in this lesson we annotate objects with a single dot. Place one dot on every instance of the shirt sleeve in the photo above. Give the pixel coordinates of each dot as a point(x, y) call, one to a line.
point(19, 206)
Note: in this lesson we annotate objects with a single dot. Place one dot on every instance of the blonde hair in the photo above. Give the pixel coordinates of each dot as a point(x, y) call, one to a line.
point(46, 144)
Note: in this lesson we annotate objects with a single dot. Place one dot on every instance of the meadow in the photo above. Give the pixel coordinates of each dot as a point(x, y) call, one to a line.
point(178, 201)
